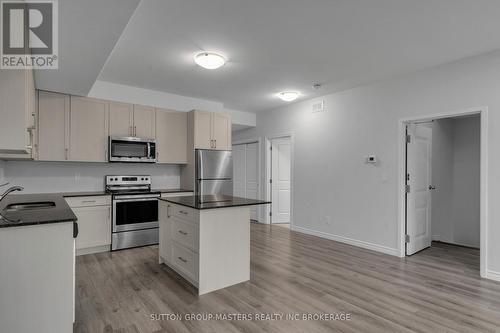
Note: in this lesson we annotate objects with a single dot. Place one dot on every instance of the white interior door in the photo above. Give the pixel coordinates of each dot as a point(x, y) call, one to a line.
point(418, 199)
point(246, 174)
point(239, 170)
point(281, 179)
point(252, 176)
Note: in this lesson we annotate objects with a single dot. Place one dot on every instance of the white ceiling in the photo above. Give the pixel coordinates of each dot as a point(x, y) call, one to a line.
point(88, 31)
point(275, 45)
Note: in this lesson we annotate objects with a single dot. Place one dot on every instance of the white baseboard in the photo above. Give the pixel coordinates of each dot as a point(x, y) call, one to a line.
point(492, 275)
point(350, 241)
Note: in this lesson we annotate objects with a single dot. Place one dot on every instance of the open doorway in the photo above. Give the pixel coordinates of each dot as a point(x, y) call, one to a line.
point(444, 189)
point(279, 171)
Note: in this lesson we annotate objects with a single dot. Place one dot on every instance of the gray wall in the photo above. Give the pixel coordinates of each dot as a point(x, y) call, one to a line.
point(39, 177)
point(456, 174)
point(330, 176)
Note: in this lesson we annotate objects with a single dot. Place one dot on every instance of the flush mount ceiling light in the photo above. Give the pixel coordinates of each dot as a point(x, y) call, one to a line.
point(209, 60)
point(288, 96)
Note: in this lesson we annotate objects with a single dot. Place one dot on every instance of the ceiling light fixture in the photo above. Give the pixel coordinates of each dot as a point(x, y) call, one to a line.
point(209, 60)
point(288, 96)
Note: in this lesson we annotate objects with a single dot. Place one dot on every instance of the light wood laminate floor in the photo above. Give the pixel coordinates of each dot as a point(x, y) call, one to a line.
point(437, 290)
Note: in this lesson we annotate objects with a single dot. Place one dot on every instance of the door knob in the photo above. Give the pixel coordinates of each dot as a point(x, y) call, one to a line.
point(432, 187)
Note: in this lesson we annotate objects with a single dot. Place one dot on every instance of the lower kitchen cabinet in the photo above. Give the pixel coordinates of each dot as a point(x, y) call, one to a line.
point(37, 278)
point(94, 223)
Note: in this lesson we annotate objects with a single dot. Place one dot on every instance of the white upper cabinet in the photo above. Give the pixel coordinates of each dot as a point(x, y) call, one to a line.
point(203, 130)
point(211, 130)
point(121, 119)
point(144, 122)
point(171, 136)
point(88, 129)
point(221, 131)
point(18, 113)
point(53, 126)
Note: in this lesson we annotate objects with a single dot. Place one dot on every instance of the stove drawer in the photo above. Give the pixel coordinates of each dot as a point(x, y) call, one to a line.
point(185, 233)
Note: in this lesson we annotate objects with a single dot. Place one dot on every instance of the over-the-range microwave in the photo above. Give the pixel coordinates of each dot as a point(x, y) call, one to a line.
point(132, 149)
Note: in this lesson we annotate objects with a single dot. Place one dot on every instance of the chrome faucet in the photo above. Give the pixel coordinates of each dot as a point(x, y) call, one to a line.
point(9, 190)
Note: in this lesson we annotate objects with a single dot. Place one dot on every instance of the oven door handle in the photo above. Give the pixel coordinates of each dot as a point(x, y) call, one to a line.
point(136, 199)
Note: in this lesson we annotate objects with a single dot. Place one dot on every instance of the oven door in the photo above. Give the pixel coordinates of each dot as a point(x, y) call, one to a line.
point(135, 212)
point(132, 150)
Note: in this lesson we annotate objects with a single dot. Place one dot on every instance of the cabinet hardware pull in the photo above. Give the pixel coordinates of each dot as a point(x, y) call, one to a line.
point(88, 201)
point(135, 130)
point(215, 143)
point(182, 259)
point(168, 211)
point(183, 232)
point(183, 212)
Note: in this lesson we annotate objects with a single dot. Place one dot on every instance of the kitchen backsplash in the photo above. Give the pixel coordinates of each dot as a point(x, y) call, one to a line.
point(39, 177)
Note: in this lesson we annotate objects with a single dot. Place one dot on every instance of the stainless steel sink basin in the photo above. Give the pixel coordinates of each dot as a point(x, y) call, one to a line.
point(17, 207)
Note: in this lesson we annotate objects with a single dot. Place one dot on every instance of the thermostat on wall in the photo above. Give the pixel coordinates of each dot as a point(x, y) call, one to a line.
point(371, 159)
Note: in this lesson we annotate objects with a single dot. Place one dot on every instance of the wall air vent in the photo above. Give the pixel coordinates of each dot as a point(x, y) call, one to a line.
point(318, 106)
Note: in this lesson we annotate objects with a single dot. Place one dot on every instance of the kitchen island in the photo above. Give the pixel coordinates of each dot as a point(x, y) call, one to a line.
point(206, 239)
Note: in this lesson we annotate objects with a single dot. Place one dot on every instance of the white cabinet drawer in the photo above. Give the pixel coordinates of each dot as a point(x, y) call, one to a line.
point(185, 233)
point(183, 212)
point(104, 200)
point(185, 260)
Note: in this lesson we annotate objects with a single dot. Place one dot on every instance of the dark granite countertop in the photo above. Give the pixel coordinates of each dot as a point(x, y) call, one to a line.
point(58, 213)
point(211, 202)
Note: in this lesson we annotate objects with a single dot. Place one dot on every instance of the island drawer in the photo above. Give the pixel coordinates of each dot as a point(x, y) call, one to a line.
point(185, 233)
point(185, 260)
point(103, 200)
point(183, 212)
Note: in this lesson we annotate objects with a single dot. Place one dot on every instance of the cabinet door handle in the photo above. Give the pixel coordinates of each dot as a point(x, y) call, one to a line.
point(182, 259)
point(88, 201)
point(183, 232)
point(183, 212)
point(168, 211)
point(215, 143)
point(135, 130)
point(66, 153)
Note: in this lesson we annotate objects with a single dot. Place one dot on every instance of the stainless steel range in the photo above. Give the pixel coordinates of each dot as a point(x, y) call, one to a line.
point(135, 211)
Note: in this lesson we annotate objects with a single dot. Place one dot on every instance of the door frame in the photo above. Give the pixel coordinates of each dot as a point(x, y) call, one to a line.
point(268, 174)
point(483, 113)
point(259, 171)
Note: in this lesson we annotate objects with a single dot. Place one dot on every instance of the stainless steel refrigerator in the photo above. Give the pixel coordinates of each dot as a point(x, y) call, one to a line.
point(213, 174)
